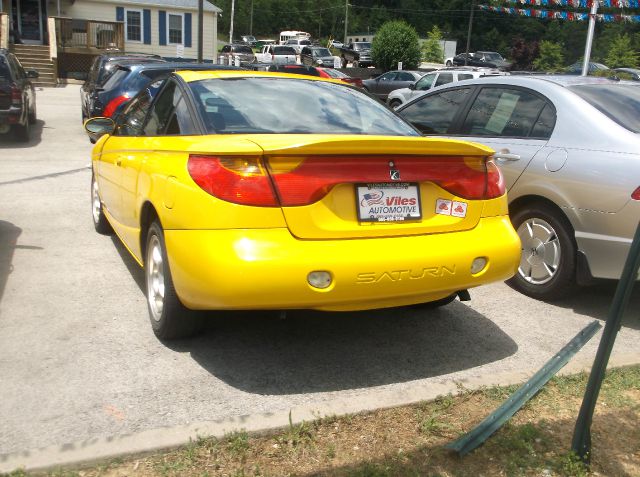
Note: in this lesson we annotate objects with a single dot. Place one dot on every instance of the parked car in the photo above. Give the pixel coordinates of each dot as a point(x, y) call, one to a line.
point(129, 79)
point(486, 59)
point(243, 53)
point(318, 56)
point(298, 43)
point(261, 43)
point(335, 44)
point(434, 79)
point(101, 69)
point(339, 75)
point(633, 73)
point(570, 153)
point(234, 185)
point(249, 40)
point(358, 54)
point(384, 84)
point(281, 55)
point(17, 97)
point(576, 68)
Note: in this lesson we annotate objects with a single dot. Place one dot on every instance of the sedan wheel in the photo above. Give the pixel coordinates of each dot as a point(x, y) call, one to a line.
point(170, 319)
point(100, 222)
point(548, 257)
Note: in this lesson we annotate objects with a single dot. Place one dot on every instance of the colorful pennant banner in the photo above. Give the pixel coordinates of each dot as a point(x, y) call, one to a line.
point(558, 15)
point(580, 3)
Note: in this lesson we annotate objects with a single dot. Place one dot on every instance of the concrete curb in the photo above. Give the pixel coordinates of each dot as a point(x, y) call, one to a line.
point(145, 442)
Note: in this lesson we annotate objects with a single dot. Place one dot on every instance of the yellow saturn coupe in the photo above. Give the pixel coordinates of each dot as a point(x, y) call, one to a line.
point(253, 190)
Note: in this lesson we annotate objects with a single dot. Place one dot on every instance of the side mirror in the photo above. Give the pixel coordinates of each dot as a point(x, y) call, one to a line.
point(97, 127)
point(32, 74)
point(412, 86)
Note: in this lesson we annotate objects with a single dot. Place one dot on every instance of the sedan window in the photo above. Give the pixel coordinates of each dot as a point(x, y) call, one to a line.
point(434, 114)
point(134, 115)
point(503, 112)
point(620, 102)
point(444, 78)
point(404, 76)
point(425, 82)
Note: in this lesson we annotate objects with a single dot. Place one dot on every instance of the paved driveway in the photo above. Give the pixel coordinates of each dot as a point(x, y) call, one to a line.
point(78, 360)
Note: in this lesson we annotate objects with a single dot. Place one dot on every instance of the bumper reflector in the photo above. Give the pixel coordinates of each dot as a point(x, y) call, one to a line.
point(478, 265)
point(319, 279)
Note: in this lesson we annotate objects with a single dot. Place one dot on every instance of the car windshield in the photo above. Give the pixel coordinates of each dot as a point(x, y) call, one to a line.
point(620, 102)
point(288, 106)
point(362, 46)
point(321, 52)
point(283, 50)
point(493, 56)
point(243, 49)
point(305, 42)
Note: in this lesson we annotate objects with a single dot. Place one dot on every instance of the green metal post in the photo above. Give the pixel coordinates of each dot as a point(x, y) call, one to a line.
point(581, 444)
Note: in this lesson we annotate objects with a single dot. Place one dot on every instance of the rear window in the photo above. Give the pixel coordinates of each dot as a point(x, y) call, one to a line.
point(321, 52)
point(283, 50)
point(243, 49)
point(619, 102)
point(291, 106)
point(5, 74)
point(362, 46)
point(116, 75)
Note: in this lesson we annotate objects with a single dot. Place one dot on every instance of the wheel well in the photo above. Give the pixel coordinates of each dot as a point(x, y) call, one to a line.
point(530, 200)
point(147, 215)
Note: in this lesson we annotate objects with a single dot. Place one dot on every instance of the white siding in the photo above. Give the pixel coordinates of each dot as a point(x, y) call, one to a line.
point(106, 11)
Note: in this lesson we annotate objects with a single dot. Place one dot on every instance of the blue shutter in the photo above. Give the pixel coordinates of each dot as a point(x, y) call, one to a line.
point(119, 14)
point(146, 23)
point(162, 22)
point(187, 30)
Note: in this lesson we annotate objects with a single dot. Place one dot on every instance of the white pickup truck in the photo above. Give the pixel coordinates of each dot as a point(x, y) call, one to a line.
point(279, 55)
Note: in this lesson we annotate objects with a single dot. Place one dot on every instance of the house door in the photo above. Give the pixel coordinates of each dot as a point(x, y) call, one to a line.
point(30, 21)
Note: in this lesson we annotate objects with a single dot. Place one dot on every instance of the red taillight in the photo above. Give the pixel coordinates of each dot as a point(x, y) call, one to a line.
point(636, 194)
point(311, 178)
point(16, 96)
point(113, 105)
point(241, 180)
point(354, 81)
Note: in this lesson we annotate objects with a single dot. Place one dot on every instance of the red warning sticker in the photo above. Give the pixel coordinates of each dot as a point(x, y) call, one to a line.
point(443, 207)
point(459, 209)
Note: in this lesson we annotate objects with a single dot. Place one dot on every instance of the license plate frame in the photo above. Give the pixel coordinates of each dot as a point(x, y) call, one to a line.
point(376, 209)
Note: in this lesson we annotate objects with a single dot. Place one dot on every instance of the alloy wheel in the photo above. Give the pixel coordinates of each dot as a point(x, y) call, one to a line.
point(541, 251)
point(155, 277)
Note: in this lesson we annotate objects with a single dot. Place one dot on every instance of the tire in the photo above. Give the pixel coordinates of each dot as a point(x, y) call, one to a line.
point(395, 103)
point(33, 116)
point(170, 319)
point(449, 63)
point(22, 132)
point(547, 269)
point(100, 222)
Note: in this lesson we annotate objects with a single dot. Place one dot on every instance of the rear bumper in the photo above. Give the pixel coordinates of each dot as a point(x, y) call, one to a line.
point(268, 268)
point(11, 116)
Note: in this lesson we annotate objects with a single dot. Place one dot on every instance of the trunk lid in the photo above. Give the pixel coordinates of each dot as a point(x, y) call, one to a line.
point(372, 186)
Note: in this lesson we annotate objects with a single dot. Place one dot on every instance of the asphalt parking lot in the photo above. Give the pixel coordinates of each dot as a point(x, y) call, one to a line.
point(79, 362)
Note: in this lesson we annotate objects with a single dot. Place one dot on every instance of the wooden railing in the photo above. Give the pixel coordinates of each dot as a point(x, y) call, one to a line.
point(88, 35)
point(4, 30)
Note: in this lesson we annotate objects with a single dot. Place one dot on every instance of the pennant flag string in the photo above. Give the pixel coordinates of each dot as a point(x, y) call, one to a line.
point(579, 3)
point(560, 15)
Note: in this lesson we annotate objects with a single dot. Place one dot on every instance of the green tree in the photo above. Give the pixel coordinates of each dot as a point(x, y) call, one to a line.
point(396, 41)
point(431, 50)
point(621, 54)
point(550, 57)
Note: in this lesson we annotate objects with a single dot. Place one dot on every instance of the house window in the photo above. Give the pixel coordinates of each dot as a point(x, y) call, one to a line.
point(175, 27)
point(134, 25)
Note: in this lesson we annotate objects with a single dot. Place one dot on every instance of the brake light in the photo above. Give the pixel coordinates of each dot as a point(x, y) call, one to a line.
point(112, 106)
point(240, 180)
point(636, 194)
point(16, 96)
point(305, 180)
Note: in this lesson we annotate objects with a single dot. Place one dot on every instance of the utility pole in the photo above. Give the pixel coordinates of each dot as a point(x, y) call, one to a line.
point(466, 56)
point(587, 47)
point(233, 8)
point(200, 29)
point(346, 19)
point(251, 20)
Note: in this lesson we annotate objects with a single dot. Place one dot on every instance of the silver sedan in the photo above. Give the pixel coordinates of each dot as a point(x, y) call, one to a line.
point(569, 150)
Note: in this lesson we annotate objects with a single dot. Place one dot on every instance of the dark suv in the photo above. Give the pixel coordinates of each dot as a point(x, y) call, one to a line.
point(17, 97)
point(102, 68)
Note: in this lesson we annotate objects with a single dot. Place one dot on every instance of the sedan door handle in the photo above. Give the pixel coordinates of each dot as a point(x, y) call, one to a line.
point(506, 157)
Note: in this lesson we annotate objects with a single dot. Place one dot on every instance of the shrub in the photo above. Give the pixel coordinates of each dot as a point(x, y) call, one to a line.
point(621, 53)
point(396, 41)
point(550, 57)
point(431, 50)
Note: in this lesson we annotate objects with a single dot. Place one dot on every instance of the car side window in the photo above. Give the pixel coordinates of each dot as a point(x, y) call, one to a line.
point(306, 51)
point(503, 112)
point(133, 116)
point(404, 76)
point(180, 122)
point(425, 82)
point(434, 114)
point(464, 76)
point(545, 123)
point(388, 76)
point(444, 78)
point(161, 111)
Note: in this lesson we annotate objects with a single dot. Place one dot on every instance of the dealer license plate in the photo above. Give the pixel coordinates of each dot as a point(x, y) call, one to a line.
point(388, 202)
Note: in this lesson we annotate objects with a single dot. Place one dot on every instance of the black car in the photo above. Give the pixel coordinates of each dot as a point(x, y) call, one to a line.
point(382, 85)
point(486, 59)
point(102, 68)
point(129, 79)
point(316, 56)
point(17, 97)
